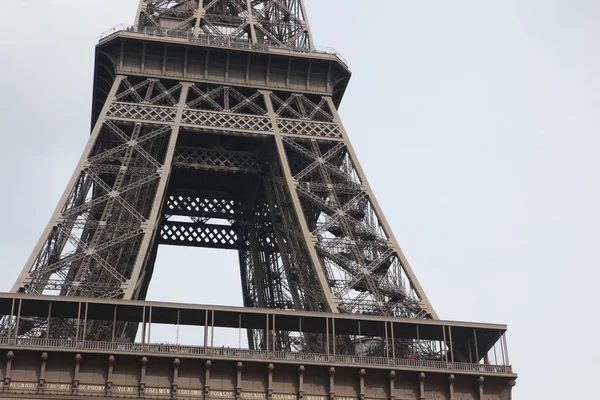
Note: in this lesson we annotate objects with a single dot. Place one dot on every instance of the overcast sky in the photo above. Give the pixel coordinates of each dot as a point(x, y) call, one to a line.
point(476, 122)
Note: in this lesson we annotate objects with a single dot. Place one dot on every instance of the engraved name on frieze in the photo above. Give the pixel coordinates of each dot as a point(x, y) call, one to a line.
point(126, 389)
point(190, 392)
point(278, 396)
point(22, 385)
point(311, 397)
point(250, 395)
point(91, 388)
point(221, 393)
point(157, 391)
point(57, 386)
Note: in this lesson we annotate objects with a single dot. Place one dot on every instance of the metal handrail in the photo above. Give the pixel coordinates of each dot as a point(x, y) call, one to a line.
point(227, 352)
point(214, 40)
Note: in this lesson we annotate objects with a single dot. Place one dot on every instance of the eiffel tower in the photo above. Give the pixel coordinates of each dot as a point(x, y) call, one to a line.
point(215, 124)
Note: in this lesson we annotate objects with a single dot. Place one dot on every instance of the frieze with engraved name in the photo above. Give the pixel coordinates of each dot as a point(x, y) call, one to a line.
point(278, 396)
point(126, 389)
point(221, 394)
point(23, 385)
point(309, 397)
point(91, 388)
point(57, 386)
point(249, 395)
point(161, 391)
point(190, 392)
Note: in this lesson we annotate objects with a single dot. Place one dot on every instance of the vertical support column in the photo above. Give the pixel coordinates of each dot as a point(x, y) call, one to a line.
point(109, 378)
point(392, 377)
point(451, 344)
point(152, 224)
point(387, 340)
point(445, 343)
point(142, 388)
point(10, 322)
point(422, 385)
point(205, 331)
point(175, 386)
point(301, 371)
point(75, 387)
point(480, 381)
point(42, 380)
point(476, 347)
point(505, 347)
point(270, 369)
point(78, 325)
point(309, 240)
point(511, 385)
point(48, 321)
point(361, 377)
point(9, 359)
point(207, 367)
point(238, 382)
point(114, 327)
point(393, 340)
point(143, 327)
point(451, 380)
point(16, 338)
point(331, 383)
point(85, 317)
point(143, 60)
point(327, 336)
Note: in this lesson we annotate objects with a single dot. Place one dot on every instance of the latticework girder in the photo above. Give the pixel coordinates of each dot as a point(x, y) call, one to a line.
point(261, 23)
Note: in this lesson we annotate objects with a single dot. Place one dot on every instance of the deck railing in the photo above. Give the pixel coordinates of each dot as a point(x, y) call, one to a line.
point(227, 352)
point(221, 41)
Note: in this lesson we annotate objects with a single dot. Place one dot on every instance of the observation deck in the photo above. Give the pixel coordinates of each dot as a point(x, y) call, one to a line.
point(469, 354)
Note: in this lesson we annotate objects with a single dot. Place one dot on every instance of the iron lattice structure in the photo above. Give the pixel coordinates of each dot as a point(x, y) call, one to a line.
point(222, 145)
point(280, 23)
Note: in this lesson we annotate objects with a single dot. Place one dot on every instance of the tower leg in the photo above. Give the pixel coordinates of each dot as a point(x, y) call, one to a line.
point(103, 230)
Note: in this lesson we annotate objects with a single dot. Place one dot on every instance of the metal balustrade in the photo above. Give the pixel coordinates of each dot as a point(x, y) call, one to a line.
point(213, 40)
point(227, 352)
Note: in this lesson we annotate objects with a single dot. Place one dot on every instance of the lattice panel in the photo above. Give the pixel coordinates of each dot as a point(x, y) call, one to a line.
point(202, 207)
point(233, 122)
point(200, 235)
point(305, 128)
point(142, 112)
point(209, 159)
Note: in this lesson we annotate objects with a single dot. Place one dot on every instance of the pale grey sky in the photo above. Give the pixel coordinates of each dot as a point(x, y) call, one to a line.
point(477, 124)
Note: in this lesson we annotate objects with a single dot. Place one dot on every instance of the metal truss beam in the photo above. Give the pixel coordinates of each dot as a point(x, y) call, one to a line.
point(258, 23)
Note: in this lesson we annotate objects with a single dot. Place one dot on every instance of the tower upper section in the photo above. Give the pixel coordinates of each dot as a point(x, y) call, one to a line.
point(269, 23)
